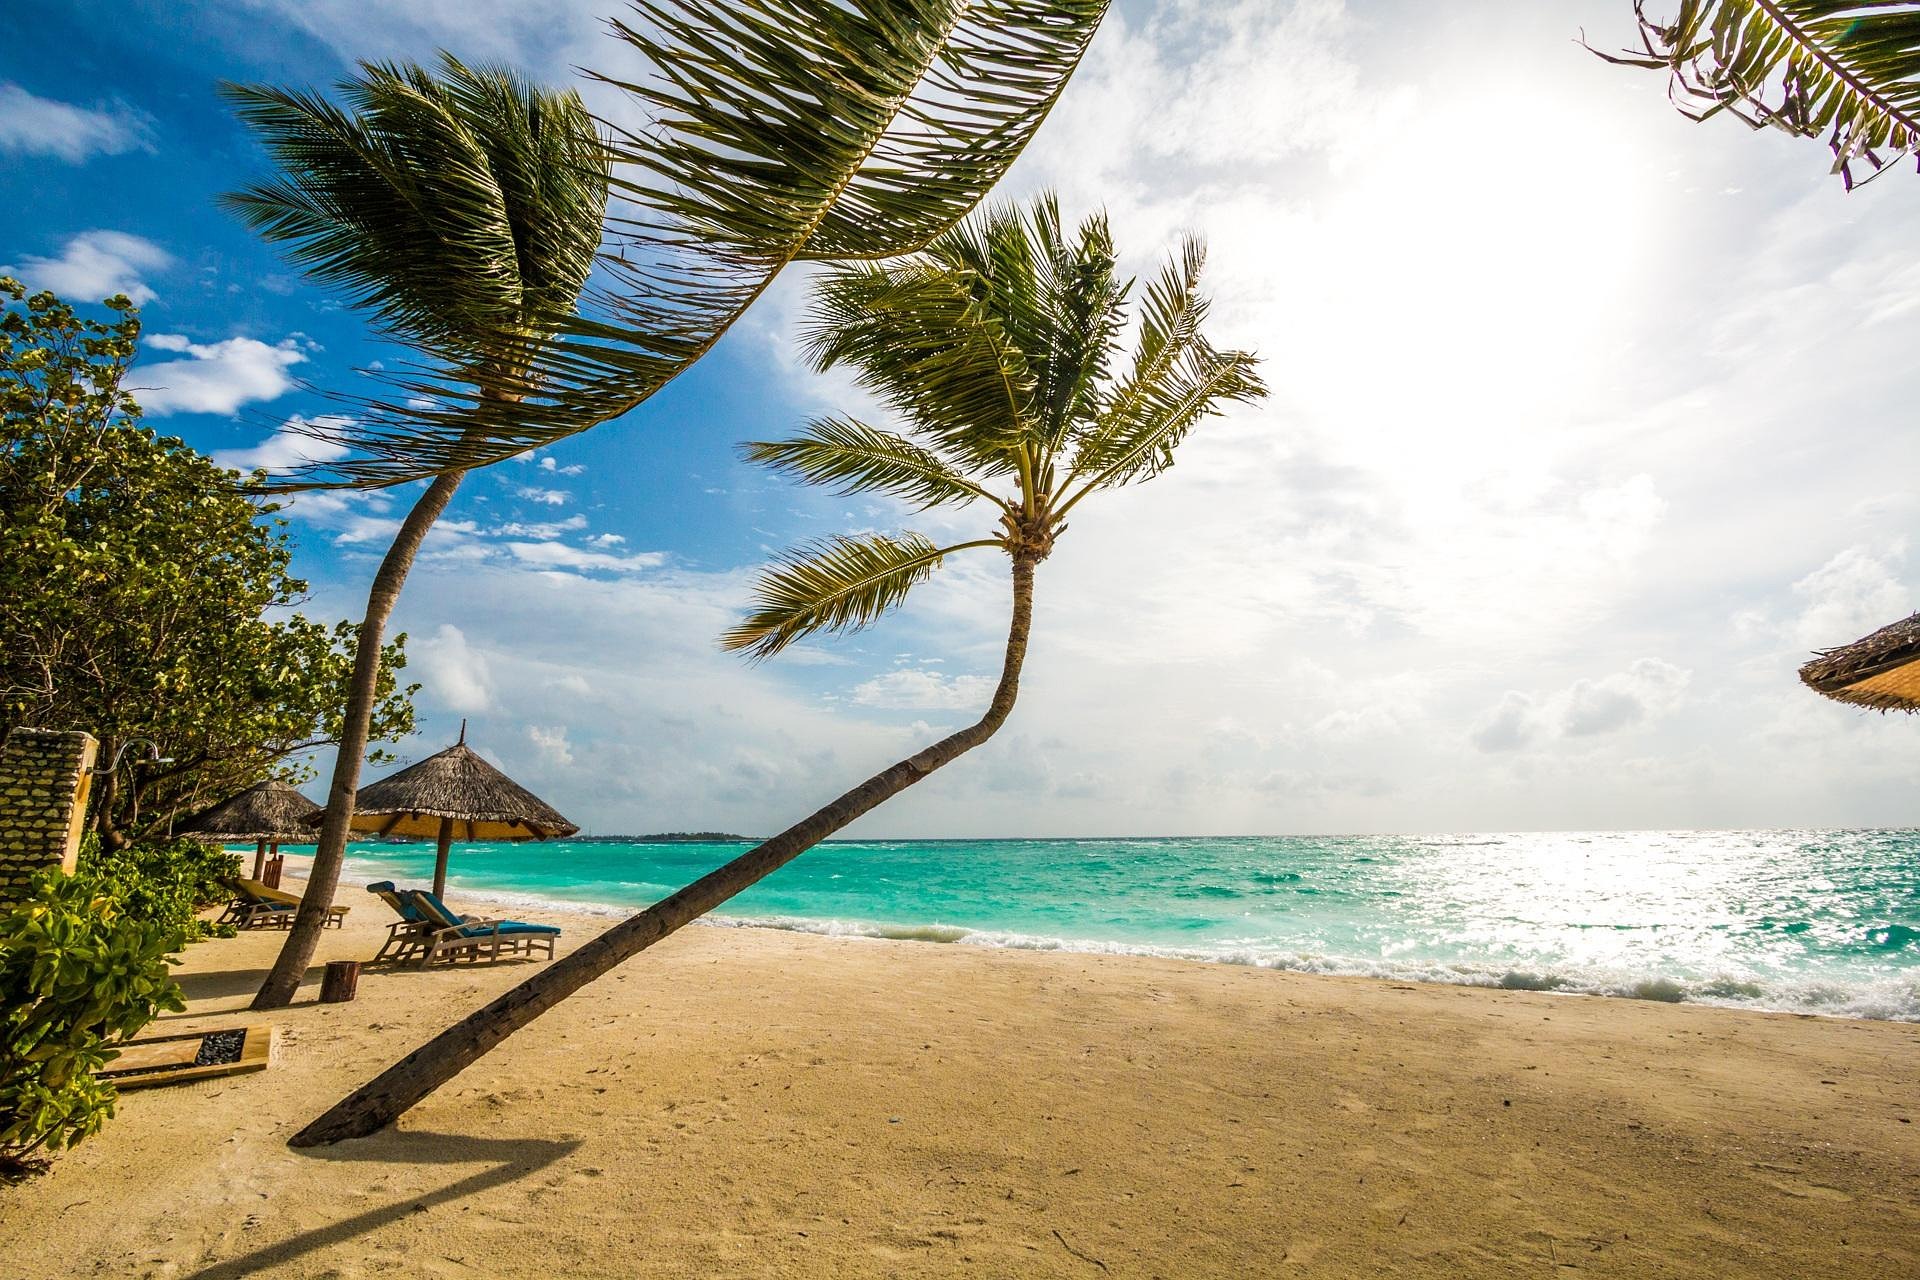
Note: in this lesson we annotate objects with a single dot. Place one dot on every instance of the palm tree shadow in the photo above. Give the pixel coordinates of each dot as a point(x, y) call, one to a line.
point(212, 986)
point(510, 1160)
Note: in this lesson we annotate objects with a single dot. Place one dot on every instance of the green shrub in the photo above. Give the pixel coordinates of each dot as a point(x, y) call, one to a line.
point(77, 970)
point(166, 882)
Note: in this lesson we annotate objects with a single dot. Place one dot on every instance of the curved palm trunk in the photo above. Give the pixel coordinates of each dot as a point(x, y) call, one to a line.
point(303, 939)
point(390, 1094)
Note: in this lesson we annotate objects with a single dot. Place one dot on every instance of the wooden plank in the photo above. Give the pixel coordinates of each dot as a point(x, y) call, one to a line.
point(255, 1051)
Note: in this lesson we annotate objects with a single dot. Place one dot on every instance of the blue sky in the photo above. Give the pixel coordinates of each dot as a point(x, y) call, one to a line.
point(1588, 424)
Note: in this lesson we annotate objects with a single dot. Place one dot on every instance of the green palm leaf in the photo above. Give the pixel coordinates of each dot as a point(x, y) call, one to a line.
point(1177, 379)
point(1849, 69)
point(993, 346)
point(464, 211)
point(781, 131)
point(920, 336)
point(851, 457)
point(839, 585)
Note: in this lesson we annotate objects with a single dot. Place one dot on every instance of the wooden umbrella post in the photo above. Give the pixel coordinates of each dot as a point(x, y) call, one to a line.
point(259, 858)
point(440, 861)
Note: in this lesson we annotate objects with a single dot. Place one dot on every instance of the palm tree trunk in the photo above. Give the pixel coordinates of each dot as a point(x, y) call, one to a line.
point(390, 1094)
point(303, 939)
point(440, 853)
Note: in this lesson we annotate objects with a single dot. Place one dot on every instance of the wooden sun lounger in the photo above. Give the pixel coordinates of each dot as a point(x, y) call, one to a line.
point(406, 937)
point(451, 937)
point(256, 905)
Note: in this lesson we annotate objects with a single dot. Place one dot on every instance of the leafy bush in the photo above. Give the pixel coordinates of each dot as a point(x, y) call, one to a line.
point(165, 882)
point(77, 970)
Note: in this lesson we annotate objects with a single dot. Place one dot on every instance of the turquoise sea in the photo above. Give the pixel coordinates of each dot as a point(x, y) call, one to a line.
point(1809, 921)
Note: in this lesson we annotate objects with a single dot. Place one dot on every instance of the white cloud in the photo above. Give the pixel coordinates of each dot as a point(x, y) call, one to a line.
point(573, 469)
point(1511, 724)
point(291, 445)
point(215, 377)
point(453, 674)
point(1851, 594)
point(917, 689)
point(551, 743)
point(558, 555)
point(1645, 689)
point(35, 126)
point(96, 265)
point(546, 497)
point(1587, 708)
point(542, 530)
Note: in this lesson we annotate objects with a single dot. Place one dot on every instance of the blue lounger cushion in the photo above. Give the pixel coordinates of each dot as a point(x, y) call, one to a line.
point(506, 927)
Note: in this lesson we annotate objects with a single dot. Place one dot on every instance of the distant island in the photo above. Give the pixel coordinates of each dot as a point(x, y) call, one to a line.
point(670, 837)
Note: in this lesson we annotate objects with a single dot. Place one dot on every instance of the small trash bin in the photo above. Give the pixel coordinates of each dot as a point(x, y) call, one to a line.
point(341, 980)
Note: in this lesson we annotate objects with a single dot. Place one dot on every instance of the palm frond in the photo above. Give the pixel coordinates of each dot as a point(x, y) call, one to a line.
point(1177, 378)
point(1142, 444)
point(1849, 69)
point(464, 211)
point(839, 585)
point(924, 339)
point(851, 457)
point(781, 130)
point(1052, 298)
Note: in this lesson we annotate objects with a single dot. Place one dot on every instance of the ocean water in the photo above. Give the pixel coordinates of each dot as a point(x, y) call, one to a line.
point(1807, 921)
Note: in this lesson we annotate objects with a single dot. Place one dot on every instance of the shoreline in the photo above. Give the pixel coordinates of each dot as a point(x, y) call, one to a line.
point(751, 1102)
point(1898, 1000)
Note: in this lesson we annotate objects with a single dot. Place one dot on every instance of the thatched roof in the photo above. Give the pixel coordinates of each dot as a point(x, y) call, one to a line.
point(484, 803)
point(269, 810)
point(1881, 671)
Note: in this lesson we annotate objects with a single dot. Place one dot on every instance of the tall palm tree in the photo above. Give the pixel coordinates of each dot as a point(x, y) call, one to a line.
point(1848, 69)
point(464, 211)
point(780, 131)
point(995, 349)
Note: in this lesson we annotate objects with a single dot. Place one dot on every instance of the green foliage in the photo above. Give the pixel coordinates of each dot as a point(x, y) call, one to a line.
point(776, 131)
point(995, 347)
point(165, 882)
point(136, 582)
point(1849, 69)
point(77, 971)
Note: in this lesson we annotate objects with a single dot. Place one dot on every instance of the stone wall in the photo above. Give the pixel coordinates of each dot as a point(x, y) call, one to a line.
point(44, 776)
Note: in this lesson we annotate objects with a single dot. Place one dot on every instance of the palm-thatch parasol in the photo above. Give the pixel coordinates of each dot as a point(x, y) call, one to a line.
point(456, 795)
point(1881, 671)
point(265, 813)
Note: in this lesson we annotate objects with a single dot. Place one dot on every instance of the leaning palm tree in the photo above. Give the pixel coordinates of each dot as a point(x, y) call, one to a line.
point(1848, 69)
point(464, 211)
point(779, 131)
point(995, 349)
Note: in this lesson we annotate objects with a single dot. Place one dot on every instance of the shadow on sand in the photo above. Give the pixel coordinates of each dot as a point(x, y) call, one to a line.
point(510, 1158)
point(228, 984)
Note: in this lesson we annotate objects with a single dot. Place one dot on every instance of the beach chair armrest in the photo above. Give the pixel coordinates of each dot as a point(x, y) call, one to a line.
point(466, 923)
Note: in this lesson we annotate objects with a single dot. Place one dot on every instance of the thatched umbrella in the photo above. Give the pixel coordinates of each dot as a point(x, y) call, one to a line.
point(455, 795)
point(265, 813)
point(1881, 671)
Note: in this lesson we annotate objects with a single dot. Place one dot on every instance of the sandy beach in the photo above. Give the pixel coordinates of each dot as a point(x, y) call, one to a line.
point(745, 1102)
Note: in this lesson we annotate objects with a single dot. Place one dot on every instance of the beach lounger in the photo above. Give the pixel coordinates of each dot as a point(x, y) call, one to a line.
point(255, 905)
point(410, 933)
point(454, 937)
